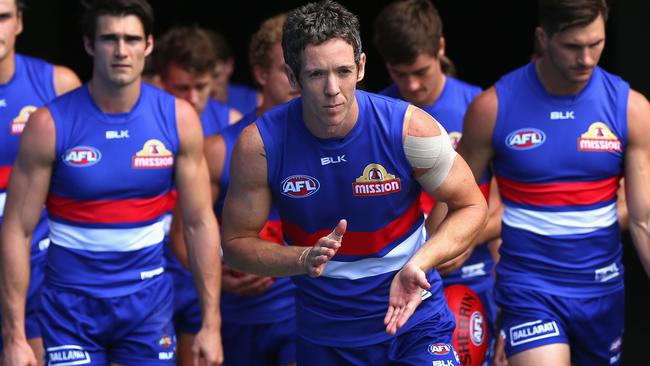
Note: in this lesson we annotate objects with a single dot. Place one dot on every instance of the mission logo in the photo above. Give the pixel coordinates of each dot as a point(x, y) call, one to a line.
point(375, 181)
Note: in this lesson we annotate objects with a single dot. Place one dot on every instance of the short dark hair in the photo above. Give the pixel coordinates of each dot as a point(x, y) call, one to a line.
point(96, 8)
point(20, 5)
point(188, 47)
point(405, 29)
point(221, 46)
point(558, 15)
point(314, 24)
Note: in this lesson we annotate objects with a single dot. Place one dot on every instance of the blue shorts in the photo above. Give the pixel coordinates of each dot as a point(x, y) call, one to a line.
point(593, 327)
point(259, 344)
point(187, 308)
point(427, 343)
point(135, 329)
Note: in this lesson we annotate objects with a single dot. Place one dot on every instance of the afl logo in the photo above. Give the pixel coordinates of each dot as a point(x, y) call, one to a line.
point(476, 325)
point(300, 186)
point(439, 349)
point(525, 139)
point(82, 156)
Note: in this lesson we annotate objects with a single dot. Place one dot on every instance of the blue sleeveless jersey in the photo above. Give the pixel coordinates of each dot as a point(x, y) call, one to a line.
point(215, 117)
point(366, 179)
point(449, 109)
point(242, 97)
point(110, 186)
point(278, 302)
point(558, 161)
point(31, 87)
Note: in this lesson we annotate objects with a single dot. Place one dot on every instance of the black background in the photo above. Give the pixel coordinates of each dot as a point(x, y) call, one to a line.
point(485, 39)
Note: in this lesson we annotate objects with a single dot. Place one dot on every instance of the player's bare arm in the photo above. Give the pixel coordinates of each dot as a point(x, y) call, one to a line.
point(27, 191)
point(65, 80)
point(246, 210)
point(637, 175)
point(447, 178)
point(455, 187)
point(214, 151)
point(200, 231)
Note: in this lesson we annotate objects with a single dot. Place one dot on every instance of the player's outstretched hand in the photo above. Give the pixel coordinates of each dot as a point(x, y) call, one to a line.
point(405, 296)
point(313, 259)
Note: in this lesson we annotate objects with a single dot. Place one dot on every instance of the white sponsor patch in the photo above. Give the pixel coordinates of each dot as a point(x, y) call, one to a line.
point(473, 270)
point(607, 273)
point(532, 331)
point(67, 355)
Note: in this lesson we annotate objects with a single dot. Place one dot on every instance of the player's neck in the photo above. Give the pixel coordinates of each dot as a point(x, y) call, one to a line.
point(554, 82)
point(114, 99)
point(436, 92)
point(7, 67)
point(324, 130)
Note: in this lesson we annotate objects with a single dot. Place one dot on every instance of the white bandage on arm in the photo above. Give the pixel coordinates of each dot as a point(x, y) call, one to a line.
point(435, 154)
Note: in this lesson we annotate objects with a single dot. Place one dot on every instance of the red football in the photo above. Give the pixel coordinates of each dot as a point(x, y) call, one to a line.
point(471, 334)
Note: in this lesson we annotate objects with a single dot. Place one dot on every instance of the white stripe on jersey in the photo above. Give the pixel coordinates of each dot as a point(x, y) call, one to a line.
point(105, 239)
point(3, 200)
point(560, 223)
point(392, 261)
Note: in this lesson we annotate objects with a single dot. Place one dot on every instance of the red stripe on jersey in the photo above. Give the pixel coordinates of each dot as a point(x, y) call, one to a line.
point(559, 194)
point(427, 202)
point(5, 171)
point(108, 211)
point(359, 243)
point(173, 197)
point(272, 231)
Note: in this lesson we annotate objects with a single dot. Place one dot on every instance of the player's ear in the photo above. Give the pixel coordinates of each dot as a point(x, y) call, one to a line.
point(362, 67)
point(89, 46)
point(293, 79)
point(149, 48)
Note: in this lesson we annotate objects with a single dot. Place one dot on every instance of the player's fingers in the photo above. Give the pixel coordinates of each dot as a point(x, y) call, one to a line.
point(339, 230)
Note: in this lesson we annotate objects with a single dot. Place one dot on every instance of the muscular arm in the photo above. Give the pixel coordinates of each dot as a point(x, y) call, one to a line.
point(447, 178)
point(65, 80)
point(246, 210)
point(214, 151)
point(637, 175)
point(466, 206)
point(200, 228)
point(27, 191)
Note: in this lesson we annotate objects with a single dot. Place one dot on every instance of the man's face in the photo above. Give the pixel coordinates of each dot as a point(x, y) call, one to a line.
point(11, 24)
point(418, 81)
point(119, 49)
point(575, 52)
point(274, 81)
point(185, 85)
point(328, 81)
point(220, 78)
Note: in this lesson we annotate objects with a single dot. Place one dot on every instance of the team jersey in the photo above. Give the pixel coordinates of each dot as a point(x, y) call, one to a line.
point(558, 161)
point(366, 179)
point(241, 97)
point(215, 117)
point(110, 186)
point(449, 110)
point(277, 304)
point(31, 87)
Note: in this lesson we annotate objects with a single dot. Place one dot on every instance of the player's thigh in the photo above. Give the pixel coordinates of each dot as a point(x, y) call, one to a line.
point(557, 354)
